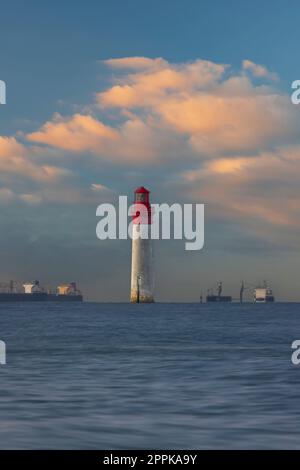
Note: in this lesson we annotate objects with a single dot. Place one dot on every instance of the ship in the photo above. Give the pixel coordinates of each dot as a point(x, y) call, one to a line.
point(211, 297)
point(263, 294)
point(33, 292)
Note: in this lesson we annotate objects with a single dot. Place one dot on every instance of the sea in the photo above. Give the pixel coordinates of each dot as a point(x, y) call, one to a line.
point(149, 376)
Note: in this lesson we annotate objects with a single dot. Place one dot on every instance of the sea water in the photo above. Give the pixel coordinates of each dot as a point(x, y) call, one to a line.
point(157, 376)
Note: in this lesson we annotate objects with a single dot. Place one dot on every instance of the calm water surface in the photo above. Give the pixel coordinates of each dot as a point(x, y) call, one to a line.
point(120, 376)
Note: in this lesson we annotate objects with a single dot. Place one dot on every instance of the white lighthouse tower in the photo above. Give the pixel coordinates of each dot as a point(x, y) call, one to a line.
point(142, 275)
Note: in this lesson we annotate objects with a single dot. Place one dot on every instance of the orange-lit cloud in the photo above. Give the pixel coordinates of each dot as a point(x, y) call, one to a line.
point(76, 133)
point(214, 111)
point(262, 188)
point(133, 141)
point(16, 159)
point(201, 106)
point(20, 168)
point(136, 63)
point(258, 70)
point(147, 87)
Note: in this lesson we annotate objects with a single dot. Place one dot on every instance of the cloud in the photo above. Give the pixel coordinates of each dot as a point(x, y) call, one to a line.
point(200, 107)
point(227, 124)
point(136, 63)
point(212, 109)
point(18, 160)
point(31, 198)
point(259, 71)
point(258, 192)
point(25, 177)
point(66, 195)
point(133, 141)
point(6, 195)
point(148, 85)
point(99, 187)
point(76, 133)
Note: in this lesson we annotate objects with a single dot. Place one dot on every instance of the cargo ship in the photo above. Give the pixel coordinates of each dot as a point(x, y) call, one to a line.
point(211, 297)
point(263, 294)
point(33, 292)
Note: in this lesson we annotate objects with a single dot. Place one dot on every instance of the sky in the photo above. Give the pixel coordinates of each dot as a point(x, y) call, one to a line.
point(189, 98)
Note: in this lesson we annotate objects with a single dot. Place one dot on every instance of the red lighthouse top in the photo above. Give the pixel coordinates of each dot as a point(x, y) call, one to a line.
point(142, 199)
point(142, 195)
point(142, 189)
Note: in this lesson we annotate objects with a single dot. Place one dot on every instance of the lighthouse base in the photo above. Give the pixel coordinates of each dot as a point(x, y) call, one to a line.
point(136, 298)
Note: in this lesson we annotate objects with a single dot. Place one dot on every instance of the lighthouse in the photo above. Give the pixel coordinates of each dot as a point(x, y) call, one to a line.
point(142, 275)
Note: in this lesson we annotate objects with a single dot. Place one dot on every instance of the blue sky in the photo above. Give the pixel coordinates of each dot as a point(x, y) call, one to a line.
point(51, 60)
